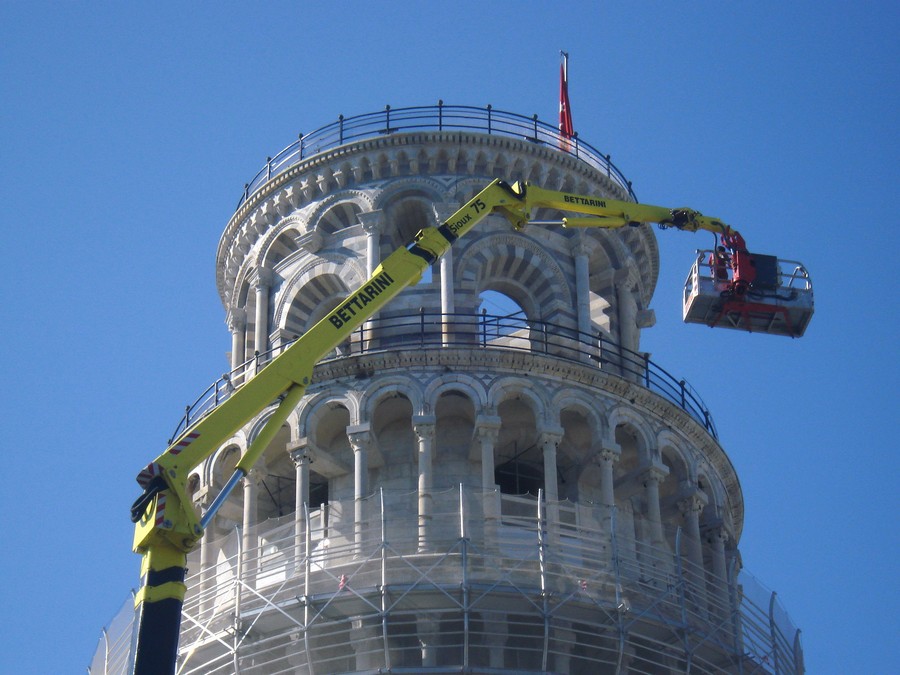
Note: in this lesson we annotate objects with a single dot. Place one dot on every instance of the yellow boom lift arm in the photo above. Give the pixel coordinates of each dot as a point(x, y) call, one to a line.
point(166, 524)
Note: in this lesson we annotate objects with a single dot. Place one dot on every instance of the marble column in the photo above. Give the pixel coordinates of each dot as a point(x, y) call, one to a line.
point(607, 457)
point(716, 536)
point(691, 506)
point(208, 552)
point(627, 314)
point(651, 478)
point(564, 642)
point(373, 225)
point(549, 439)
point(299, 453)
point(487, 431)
point(361, 439)
point(423, 426)
point(496, 634)
point(448, 298)
point(261, 287)
point(250, 539)
point(237, 325)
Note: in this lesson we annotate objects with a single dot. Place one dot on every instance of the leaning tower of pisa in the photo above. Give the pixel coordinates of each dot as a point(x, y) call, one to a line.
point(489, 476)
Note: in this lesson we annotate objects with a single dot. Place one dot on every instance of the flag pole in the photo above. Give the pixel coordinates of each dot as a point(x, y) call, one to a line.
point(566, 130)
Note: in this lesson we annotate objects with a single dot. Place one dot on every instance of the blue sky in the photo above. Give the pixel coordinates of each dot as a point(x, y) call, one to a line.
point(127, 131)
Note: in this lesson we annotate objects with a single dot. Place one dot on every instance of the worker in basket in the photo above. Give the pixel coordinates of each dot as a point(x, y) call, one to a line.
point(719, 263)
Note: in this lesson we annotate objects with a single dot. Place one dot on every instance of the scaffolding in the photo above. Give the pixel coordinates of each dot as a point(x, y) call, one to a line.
point(501, 583)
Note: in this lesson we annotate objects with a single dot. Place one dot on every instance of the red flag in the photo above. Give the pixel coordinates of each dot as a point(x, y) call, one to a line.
point(565, 111)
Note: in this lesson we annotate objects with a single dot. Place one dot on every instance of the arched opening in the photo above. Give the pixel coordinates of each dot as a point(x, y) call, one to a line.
point(518, 458)
point(313, 302)
point(521, 473)
point(393, 429)
point(283, 247)
point(670, 491)
point(540, 311)
point(407, 214)
point(496, 303)
point(330, 433)
point(276, 493)
point(573, 449)
point(502, 321)
point(224, 465)
point(318, 490)
point(454, 429)
point(193, 484)
point(627, 439)
point(629, 492)
point(340, 216)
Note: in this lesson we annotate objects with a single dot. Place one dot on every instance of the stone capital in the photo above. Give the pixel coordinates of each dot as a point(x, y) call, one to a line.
point(364, 628)
point(551, 434)
point(693, 503)
point(581, 244)
point(428, 629)
point(264, 278)
point(360, 437)
point(372, 221)
point(203, 497)
point(254, 476)
point(423, 426)
point(715, 532)
point(624, 278)
point(645, 318)
point(608, 453)
point(487, 427)
point(236, 319)
point(654, 473)
point(299, 452)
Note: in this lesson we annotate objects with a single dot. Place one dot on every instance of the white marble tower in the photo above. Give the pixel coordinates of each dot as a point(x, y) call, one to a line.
point(461, 490)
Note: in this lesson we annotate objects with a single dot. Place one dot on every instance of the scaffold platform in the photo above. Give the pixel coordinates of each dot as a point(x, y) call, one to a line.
point(782, 305)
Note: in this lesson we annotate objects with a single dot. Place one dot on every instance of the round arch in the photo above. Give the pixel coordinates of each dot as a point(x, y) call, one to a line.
point(385, 387)
point(281, 242)
point(519, 267)
point(311, 408)
point(620, 416)
point(219, 467)
point(671, 451)
point(313, 291)
point(470, 386)
point(591, 408)
point(338, 211)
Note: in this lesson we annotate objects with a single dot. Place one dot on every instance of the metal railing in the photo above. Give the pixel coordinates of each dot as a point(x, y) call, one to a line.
point(431, 118)
point(435, 330)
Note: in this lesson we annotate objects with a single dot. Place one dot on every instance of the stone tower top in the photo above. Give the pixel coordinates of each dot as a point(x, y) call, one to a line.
point(384, 176)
